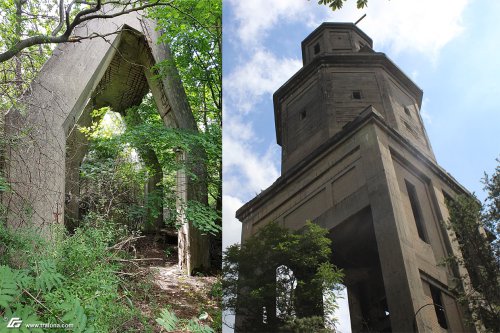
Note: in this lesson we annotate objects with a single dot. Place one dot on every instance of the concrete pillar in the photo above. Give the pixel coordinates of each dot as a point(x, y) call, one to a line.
point(399, 274)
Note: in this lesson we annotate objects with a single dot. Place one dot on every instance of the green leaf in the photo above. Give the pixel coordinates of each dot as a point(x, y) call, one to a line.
point(9, 289)
point(168, 320)
point(48, 277)
point(195, 327)
point(75, 314)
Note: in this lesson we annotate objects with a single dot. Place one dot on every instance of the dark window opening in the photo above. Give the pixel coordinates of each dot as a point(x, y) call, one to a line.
point(417, 212)
point(438, 306)
point(316, 48)
point(356, 94)
point(302, 114)
point(407, 111)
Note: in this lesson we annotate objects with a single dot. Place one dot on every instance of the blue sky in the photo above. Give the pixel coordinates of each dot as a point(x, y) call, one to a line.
point(450, 48)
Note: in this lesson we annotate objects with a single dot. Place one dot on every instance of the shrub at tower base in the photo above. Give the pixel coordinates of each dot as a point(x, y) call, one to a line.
point(282, 280)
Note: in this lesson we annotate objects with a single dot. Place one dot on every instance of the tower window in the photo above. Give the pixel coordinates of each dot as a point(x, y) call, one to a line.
point(316, 48)
point(356, 94)
point(302, 114)
point(438, 306)
point(417, 212)
point(407, 111)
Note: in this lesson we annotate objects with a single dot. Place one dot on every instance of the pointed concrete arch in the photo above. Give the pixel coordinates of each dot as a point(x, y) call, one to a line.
point(41, 154)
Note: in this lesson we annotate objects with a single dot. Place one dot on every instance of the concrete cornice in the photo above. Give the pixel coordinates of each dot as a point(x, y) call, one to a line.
point(368, 116)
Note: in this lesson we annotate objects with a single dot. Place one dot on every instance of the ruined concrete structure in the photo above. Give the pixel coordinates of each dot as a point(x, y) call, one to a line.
point(45, 147)
point(356, 160)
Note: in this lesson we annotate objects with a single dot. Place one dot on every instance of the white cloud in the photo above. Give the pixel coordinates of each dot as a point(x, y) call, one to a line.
point(254, 18)
point(260, 76)
point(246, 171)
point(231, 227)
point(423, 26)
point(254, 172)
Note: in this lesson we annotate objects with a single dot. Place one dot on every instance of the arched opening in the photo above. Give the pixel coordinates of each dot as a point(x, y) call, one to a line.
point(335, 301)
point(286, 283)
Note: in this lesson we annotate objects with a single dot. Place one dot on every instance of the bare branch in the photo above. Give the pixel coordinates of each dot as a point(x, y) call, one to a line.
point(61, 19)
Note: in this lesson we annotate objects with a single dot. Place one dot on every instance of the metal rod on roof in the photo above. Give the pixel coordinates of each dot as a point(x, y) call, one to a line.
point(362, 17)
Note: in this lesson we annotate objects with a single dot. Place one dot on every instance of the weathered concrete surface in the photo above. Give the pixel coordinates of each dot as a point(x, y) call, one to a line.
point(354, 147)
point(45, 148)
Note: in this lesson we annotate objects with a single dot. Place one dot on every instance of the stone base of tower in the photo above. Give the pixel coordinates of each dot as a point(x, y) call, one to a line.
point(383, 202)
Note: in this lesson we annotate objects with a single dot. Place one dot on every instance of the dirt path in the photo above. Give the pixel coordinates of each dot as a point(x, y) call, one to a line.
point(164, 285)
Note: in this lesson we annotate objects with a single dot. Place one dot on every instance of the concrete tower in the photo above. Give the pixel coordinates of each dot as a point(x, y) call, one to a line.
point(356, 160)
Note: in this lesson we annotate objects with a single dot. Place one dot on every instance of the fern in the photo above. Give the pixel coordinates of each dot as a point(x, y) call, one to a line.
point(75, 314)
point(23, 280)
point(196, 327)
point(168, 320)
point(48, 278)
point(171, 323)
point(9, 290)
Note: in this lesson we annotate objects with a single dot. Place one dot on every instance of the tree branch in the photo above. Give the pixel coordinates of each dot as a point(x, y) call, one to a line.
point(82, 16)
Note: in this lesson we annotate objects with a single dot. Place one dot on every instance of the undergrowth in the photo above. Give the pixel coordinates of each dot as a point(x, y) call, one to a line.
point(71, 279)
point(80, 279)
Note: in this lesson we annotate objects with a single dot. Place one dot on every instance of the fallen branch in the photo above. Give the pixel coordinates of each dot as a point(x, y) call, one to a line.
point(120, 245)
point(132, 260)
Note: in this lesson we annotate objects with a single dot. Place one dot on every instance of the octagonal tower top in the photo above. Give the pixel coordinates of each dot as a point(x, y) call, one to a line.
point(334, 38)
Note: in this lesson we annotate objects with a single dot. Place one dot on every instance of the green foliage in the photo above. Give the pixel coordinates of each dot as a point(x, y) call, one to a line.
point(193, 29)
point(47, 278)
point(75, 314)
point(169, 321)
point(69, 280)
point(9, 290)
point(480, 288)
point(283, 269)
point(204, 218)
point(112, 181)
point(337, 4)
point(305, 325)
point(491, 215)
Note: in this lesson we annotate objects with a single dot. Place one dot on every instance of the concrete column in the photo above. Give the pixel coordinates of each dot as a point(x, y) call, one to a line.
point(400, 274)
